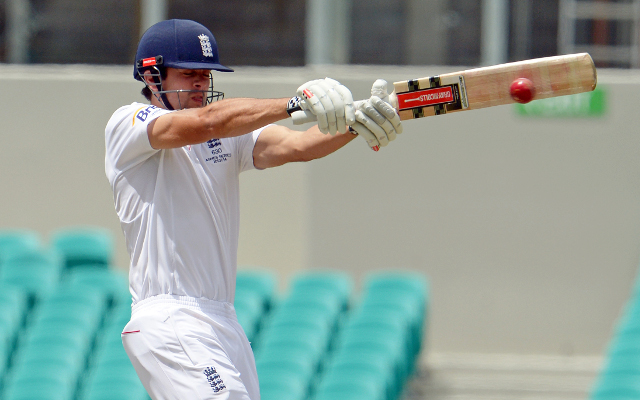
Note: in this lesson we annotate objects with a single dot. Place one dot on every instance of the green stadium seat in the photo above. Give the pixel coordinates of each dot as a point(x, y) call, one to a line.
point(382, 385)
point(369, 362)
point(30, 387)
point(35, 368)
point(273, 384)
point(306, 347)
point(110, 336)
point(337, 282)
point(120, 314)
point(110, 357)
point(5, 352)
point(13, 308)
point(257, 280)
point(302, 313)
point(618, 389)
point(250, 309)
point(67, 294)
point(114, 283)
point(38, 272)
point(305, 352)
point(283, 323)
point(16, 240)
point(287, 367)
point(389, 303)
point(72, 340)
point(410, 281)
point(318, 297)
point(110, 389)
point(386, 322)
point(388, 354)
point(27, 258)
point(74, 316)
point(294, 331)
point(110, 367)
point(279, 392)
point(107, 371)
point(45, 351)
point(382, 283)
point(390, 333)
point(621, 364)
point(87, 245)
point(352, 390)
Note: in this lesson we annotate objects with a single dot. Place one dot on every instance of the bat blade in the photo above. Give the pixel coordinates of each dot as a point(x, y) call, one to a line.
point(490, 86)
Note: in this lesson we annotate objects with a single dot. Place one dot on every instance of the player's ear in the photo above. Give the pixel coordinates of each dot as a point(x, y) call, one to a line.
point(148, 79)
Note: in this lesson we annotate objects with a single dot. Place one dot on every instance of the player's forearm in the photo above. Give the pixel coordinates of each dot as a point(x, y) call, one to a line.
point(314, 144)
point(226, 118)
point(235, 117)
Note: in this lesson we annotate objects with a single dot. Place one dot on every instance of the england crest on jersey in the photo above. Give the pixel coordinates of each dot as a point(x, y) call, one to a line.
point(213, 143)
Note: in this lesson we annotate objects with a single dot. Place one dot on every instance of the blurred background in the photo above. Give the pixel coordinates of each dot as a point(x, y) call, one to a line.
point(296, 33)
point(524, 220)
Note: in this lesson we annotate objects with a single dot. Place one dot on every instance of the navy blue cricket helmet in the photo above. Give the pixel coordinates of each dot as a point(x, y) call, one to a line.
point(177, 43)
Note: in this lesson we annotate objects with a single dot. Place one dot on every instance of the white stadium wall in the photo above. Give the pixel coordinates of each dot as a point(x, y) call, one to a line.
point(527, 227)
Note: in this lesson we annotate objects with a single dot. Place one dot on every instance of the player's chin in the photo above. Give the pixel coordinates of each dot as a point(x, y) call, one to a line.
point(195, 102)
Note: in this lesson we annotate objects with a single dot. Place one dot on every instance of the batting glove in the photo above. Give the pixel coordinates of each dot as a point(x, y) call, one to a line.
point(331, 103)
point(376, 120)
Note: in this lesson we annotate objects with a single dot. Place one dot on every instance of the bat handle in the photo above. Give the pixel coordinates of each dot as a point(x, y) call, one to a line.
point(393, 100)
point(300, 116)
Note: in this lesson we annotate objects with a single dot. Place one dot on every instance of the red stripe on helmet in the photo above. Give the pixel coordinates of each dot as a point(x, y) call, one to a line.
point(148, 61)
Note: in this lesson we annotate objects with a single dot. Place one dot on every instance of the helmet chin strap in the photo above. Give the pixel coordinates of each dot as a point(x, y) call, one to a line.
point(159, 93)
point(163, 96)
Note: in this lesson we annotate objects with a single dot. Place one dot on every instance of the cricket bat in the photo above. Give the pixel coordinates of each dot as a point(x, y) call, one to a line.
point(490, 86)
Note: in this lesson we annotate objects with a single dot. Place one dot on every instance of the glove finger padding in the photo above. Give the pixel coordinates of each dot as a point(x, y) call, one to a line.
point(366, 134)
point(331, 102)
point(335, 118)
point(349, 106)
point(389, 113)
point(310, 95)
point(372, 126)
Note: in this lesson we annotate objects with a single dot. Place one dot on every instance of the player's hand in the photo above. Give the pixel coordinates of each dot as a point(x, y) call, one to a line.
point(376, 120)
point(330, 102)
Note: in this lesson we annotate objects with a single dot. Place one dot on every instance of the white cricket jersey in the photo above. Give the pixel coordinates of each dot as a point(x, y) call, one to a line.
point(179, 208)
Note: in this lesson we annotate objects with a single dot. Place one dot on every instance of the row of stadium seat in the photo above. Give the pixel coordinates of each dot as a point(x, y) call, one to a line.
point(57, 341)
point(63, 342)
point(619, 378)
point(321, 342)
point(77, 245)
point(36, 265)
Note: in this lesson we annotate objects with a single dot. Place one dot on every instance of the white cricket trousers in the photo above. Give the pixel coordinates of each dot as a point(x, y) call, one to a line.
point(190, 349)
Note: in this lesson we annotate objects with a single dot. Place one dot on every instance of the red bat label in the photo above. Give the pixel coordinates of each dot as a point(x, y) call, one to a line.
point(426, 97)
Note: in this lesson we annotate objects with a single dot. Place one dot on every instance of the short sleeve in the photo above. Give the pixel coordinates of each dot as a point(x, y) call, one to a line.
point(126, 139)
point(246, 144)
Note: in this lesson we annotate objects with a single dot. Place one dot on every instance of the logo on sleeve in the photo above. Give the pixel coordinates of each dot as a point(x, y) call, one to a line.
point(214, 379)
point(142, 113)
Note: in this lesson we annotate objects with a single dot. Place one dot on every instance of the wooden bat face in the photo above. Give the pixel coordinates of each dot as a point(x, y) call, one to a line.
point(490, 86)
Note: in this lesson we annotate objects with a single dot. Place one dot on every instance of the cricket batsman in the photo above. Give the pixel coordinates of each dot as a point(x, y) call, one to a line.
point(173, 164)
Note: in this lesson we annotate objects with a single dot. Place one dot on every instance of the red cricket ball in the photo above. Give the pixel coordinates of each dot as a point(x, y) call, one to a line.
point(522, 90)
